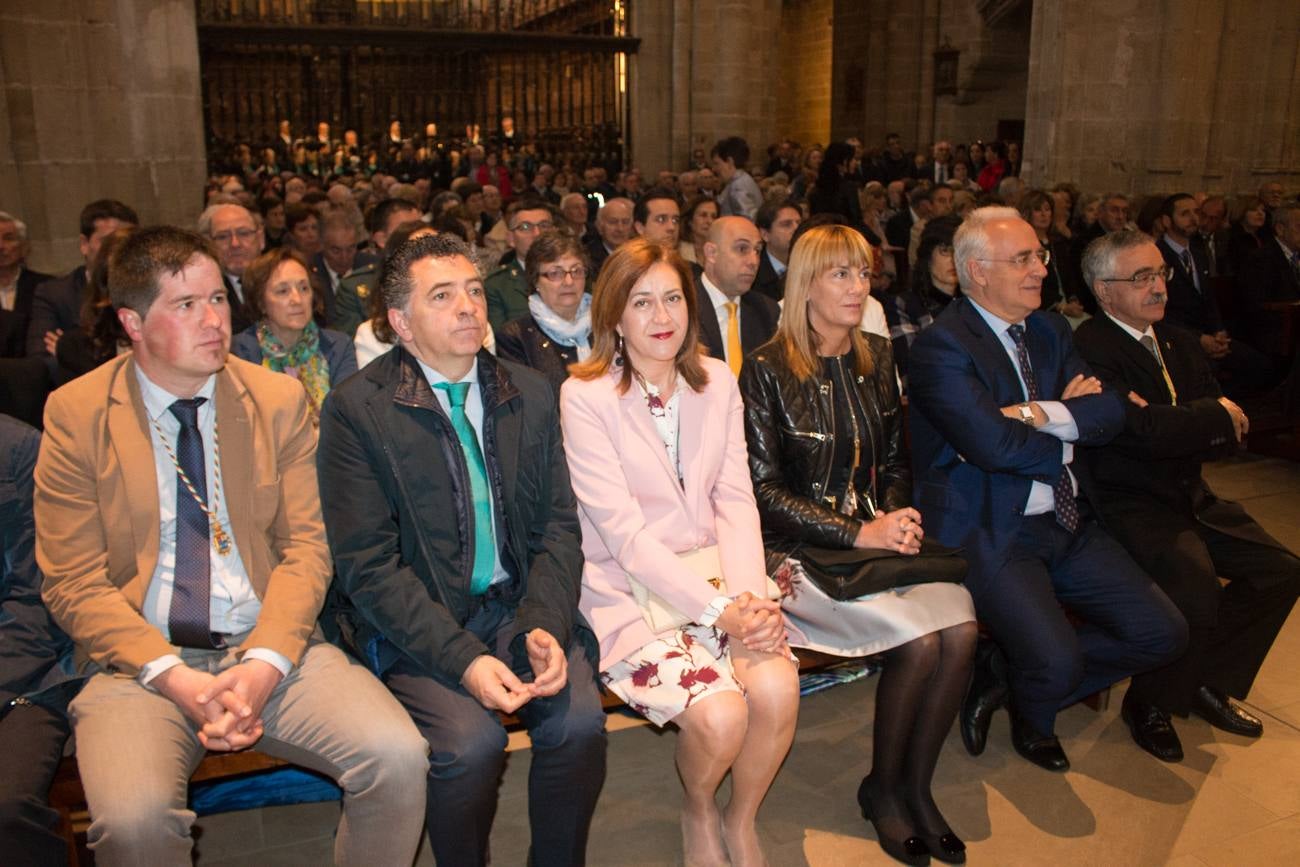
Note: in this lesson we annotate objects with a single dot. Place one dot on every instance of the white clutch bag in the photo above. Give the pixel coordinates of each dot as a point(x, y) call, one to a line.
point(704, 563)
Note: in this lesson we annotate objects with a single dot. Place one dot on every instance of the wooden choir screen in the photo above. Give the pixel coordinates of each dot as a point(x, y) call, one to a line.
point(552, 65)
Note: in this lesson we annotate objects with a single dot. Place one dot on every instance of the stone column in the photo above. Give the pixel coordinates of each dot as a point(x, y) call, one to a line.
point(1163, 97)
point(650, 82)
point(705, 69)
point(101, 100)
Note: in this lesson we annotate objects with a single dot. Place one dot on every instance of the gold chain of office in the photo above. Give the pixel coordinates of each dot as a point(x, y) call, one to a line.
point(220, 538)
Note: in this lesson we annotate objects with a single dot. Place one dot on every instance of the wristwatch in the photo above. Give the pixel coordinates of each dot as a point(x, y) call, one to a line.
point(1026, 414)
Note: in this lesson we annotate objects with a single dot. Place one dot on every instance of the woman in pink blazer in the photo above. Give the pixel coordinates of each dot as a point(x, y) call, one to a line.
point(654, 434)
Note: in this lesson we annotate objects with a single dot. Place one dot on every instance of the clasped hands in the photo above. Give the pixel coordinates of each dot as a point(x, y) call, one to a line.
point(899, 530)
point(496, 687)
point(757, 623)
point(227, 706)
point(1080, 386)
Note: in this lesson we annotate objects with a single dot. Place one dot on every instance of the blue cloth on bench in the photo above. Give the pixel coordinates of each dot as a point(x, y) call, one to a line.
point(271, 788)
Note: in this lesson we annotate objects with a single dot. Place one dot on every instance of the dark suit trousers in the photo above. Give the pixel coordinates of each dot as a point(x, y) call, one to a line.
point(32, 738)
point(1230, 628)
point(468, 757)
point(1129, 624)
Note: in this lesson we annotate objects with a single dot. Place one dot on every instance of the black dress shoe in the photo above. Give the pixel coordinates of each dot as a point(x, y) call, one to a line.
point(1221, 712)
point(1043, 750)
point(1152, 730)
point(947, 848)
point(909, 851)
point(987, 693)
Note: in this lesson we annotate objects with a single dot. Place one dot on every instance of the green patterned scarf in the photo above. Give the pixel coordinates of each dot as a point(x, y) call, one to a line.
point(303, 361)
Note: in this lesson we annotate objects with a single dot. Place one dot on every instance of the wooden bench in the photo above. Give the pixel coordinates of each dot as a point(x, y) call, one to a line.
point(68, 797)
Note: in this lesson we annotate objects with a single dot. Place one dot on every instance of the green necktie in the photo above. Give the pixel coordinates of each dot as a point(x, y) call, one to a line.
point(484, 543)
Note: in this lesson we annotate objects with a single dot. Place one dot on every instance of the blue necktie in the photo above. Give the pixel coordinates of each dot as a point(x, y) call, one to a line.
point(484, 538)
point(188, 619)
point(1067, 510)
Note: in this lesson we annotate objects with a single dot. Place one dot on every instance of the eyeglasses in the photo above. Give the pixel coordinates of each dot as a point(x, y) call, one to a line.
point(244, 236)
point(1145, 278)
point(557, 275)
point(526, 226)
point(1025, 259)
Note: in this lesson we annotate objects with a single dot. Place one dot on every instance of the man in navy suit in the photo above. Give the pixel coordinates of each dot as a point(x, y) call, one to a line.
point(1000, 398)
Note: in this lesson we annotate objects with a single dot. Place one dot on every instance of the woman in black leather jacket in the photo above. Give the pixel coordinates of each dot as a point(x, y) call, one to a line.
point(826, 453)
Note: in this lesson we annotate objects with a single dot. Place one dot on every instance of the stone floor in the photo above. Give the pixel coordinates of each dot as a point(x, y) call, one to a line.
point(1231, 802)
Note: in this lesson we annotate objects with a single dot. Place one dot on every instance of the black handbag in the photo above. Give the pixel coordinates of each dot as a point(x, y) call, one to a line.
point(848, 573)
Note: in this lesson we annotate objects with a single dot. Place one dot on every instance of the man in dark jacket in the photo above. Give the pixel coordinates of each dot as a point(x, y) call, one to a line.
point(17, 286)
point(1152, 496)
point(56, 306)
point(456, 544)
point(36, 675)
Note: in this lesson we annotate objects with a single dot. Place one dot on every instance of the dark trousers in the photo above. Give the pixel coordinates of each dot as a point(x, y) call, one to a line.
point(468, 742)
point(32, 737)
point(1230, 628)
point(1129, 624)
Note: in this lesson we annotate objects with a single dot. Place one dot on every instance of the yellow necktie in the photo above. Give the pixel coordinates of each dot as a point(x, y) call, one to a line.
point(735, 355)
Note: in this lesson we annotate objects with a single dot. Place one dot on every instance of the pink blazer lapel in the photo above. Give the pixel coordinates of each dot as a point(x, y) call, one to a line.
point(692, 410)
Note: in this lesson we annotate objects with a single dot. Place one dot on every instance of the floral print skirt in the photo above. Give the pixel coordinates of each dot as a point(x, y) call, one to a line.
point(668, 675)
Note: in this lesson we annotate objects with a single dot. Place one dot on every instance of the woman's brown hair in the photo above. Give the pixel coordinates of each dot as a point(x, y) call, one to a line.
point(622, 270)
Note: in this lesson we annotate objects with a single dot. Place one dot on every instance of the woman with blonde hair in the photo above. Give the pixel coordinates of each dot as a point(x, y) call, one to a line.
point(831, 478)
point(654, 434)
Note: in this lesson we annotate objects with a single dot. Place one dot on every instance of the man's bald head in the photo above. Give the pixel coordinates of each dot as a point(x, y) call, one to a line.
point(731, 253)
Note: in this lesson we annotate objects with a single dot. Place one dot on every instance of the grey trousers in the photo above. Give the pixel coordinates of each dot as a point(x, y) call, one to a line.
point(136, 751)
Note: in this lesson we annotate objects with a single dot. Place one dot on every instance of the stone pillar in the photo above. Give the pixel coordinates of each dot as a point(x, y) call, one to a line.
point(804, 80)
point(650, 82)
point(1164, 97)
point(101, 100)
point(705, 70)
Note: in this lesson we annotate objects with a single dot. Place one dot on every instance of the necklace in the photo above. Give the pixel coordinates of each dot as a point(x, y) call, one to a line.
point(220, 538)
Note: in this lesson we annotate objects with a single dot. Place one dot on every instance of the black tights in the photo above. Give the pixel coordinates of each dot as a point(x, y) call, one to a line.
point(917, 699)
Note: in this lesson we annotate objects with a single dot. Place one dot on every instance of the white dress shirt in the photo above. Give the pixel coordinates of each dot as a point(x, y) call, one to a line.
point(474, 413)
point(233, 603)
point(719, 302)
point(1060, 422)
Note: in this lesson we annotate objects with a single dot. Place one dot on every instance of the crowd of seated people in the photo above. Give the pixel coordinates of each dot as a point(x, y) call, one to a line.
point(372, 457)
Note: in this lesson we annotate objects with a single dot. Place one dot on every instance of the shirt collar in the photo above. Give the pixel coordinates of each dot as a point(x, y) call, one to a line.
point(1130, 330)
point(434, 377)
point(157, 400)
point(777, 265)
point(997, 323)
point(716, 296)
point(1174, 245)
point(1285, 249)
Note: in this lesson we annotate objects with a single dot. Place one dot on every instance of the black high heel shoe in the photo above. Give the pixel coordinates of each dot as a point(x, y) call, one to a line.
point(913, 850)
point(947, 848)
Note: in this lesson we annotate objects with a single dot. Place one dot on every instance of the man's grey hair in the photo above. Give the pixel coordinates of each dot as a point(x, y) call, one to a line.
point(19, 225)
point(1010, 185)
point(210, 213)
point(398, 284)
point(972, 238)
point(1099, 257)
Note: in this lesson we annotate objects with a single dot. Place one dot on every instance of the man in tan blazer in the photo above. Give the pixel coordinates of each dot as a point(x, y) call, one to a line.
point(179, 529)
